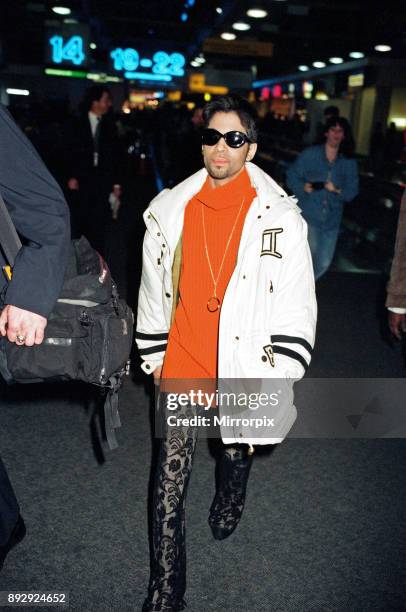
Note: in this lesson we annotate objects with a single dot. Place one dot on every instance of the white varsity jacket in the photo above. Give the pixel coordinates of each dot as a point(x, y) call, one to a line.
point(268, 314)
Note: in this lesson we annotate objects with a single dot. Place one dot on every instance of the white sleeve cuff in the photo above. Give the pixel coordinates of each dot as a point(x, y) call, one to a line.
point(397, 310)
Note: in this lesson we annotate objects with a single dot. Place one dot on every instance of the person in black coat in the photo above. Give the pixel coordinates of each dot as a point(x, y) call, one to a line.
point(94, 164)
point(41, 217)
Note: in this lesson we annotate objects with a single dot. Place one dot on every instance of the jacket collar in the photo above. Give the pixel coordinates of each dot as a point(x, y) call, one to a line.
point(169, 205)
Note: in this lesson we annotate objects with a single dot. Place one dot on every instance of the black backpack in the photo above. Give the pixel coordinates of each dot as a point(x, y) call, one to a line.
point(88, 336)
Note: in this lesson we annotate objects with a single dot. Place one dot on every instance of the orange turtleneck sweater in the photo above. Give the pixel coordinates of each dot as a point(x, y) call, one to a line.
point(193, 337)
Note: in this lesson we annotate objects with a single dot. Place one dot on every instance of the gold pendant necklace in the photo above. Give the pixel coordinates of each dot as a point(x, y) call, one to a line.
point(213, 303)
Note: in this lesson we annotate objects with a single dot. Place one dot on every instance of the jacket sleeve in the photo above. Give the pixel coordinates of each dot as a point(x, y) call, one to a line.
point(296, 175)
point(350, 188)
point(41, 217)
point(396, 297)
point(152, 328)
point(293, 325)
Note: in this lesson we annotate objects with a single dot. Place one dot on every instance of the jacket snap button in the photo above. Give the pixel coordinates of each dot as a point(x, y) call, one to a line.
point(259, 216)
point(168, 294)
point(244, 276)
point(237, 337)
point(264, 358)
point(240, 435)
point(159, 233)
point(147, 366)
point(149, 217)
point(163, 246)
point(268, 207)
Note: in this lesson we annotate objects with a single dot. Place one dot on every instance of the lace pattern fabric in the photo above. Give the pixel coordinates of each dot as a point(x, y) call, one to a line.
point(173, 470)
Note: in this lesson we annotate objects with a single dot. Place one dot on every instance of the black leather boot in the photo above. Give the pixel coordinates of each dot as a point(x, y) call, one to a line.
point(232, 474)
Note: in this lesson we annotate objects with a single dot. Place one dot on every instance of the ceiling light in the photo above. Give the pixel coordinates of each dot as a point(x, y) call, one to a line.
point(194, 64)
point(303, 68)
point(200, 60)
point(93, 46)
point(17, 92)
point(357, 54)
point(61, 10)
point(241, 26)
point(336, 60)
point(257, 13)
point(319, 64)
point(383, 48)
point(228, 36)
point(219, 10)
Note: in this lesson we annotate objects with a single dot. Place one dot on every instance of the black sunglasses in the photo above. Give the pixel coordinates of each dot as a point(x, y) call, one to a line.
point(233, 139)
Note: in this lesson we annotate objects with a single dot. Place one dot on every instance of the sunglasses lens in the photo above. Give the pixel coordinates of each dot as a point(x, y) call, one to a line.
point(210, 137)
point(235, 139)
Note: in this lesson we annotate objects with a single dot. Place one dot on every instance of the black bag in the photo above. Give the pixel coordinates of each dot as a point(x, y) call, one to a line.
point(88, 336)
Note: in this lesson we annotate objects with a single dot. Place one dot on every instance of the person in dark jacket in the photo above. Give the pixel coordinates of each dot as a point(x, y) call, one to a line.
point(323, 177)
point(94, 163)
point(41, 217)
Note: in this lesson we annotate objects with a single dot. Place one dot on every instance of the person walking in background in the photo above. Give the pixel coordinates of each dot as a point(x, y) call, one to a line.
point(209, 310)
point(323, 177)
point(94, 167)
point(330, 112)
point(396, 295)
point(41, 217)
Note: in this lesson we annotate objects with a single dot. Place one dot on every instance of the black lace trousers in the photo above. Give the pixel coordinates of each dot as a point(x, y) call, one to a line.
point(174, 466)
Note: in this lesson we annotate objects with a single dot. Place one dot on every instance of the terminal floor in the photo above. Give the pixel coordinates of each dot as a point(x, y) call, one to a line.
point(324, 524)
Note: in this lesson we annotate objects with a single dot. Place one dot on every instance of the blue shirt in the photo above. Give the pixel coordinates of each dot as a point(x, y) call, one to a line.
point(321, 207)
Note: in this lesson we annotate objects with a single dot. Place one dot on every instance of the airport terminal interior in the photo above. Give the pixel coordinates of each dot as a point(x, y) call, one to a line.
point(323, 528)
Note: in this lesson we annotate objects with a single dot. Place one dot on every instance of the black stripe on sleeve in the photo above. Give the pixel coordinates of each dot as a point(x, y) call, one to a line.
point(141, 336)
point(293, 340)
point(292, 354)
point(152, 349)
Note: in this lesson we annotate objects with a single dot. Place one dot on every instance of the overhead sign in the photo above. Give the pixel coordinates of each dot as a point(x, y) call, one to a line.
point(160, 66)
point(67, 46)
point(97, 77)
point(356, 80)
point(250, 48)
point(197, 84)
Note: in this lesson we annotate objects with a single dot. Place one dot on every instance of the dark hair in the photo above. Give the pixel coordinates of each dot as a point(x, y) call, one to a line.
point(347, 146)
point(233, 104)
point(332, 110)
point(94, 94)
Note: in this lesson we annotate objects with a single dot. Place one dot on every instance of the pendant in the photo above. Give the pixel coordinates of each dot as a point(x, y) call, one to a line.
point(213, 304)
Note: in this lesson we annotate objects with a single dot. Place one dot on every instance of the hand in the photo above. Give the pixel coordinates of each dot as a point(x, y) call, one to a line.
point(331, 187)
point(397, 324)
point(117, 190)
point(157, 375)
point(16, 322)
point(308, 187)
point(73, 184)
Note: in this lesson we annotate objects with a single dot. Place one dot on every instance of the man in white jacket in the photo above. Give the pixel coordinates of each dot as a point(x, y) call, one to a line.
point(227, 292)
